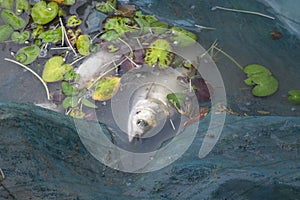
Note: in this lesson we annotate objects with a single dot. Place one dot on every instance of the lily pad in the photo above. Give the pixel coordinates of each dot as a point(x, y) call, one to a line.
point(70, 102)
point(43, 13)
point(52, 35)
point(183, 37)
point(71, 76)
point(144, 21)
point(110, 35)
point(22, 6)
point(264, 85)
point(119, 24)
point(5, 32)
point(54, 69)
point(7, 4)
point(20, 38)
point(88, 103)
point(69, 2)
point(68, 89)
point(27, 55)
point(256, 69)
point(73, 21)
point(177, 99)
point(77, 113)
point(106, 6)
point(105, 88)
point(83, 45)
point(12, 19)
point(159, 52)
point(294, 96)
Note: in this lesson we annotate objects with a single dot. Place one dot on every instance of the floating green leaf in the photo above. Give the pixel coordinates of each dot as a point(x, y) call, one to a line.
point(83, 45)
point(54, 69)
point(27, 55)
point(159, 52)
point(159, 27)
point(294, 96)
point(261, 78)
point(68, 89)
point(20, 38)
point(5, 32)
point(105, 88)
point(37, 31)
point(183, 37)
point(52, 35)
point(71, 76)
point(263, 85)
point(69, 2)
point(43, 13)
point(144, 21)
point(12, 19)
point(77, 113)
point(110, 35)
point(255, 69)
point(106, 6)
point(22, 6)
point(88, 103)
point(73, 21)
point(70, 102)
point(119, 24)
point(177, 99)
point(7, 4)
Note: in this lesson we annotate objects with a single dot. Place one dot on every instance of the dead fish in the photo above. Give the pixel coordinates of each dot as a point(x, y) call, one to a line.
point(150, 109)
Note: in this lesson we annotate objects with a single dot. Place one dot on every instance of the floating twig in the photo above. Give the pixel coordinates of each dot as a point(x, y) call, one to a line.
point(131, 51)
point(77, 60)
point(214, 46)
point(172, 124)
point(33, 72)
point(242, 11)
point(66, 36)
point(204, 27)
point(2, 174)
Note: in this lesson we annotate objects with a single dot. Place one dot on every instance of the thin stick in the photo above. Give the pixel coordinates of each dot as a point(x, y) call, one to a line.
point(2, 174)
point(204, 27)
point(229, 57)
point(68, 41)
point(242, 11)
point(63, 32)
point(172, 124)
point(35, 74)
point(131, 51)
point(77, 60)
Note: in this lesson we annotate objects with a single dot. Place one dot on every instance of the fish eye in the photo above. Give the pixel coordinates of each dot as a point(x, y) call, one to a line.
point(141, 123)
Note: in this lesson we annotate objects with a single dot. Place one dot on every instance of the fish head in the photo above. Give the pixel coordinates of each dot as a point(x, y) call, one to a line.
point(143, 119)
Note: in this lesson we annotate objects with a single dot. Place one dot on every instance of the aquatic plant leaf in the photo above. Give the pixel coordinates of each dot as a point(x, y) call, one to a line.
point(52, 35)
point(43, 13)
point(27, 55)
point(256, 69)
point(70, 102)
point(106, 6)
point(22, 6)
point(159, 27)
point(20, 38)
point(176, 99)
point(159, 52)
point(69, 2)
point(12, 19)
point(110, 35)
point(264, 85)
point(5, 32)
point(71, 76)
point(54, 69)
point(144, 21)
point(294, 96)
point(68, 89)
point(77, 113)
point(119, 24)
point(7, 4)
point(37, 31)
point(88, 103)
point(83, 45)
point(105, 88)
point(73, 21)
point(183, 37)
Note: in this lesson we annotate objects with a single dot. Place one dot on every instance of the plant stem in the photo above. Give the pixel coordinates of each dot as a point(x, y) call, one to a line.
point(229, 57)
point(34, 73)
point(242, 11)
